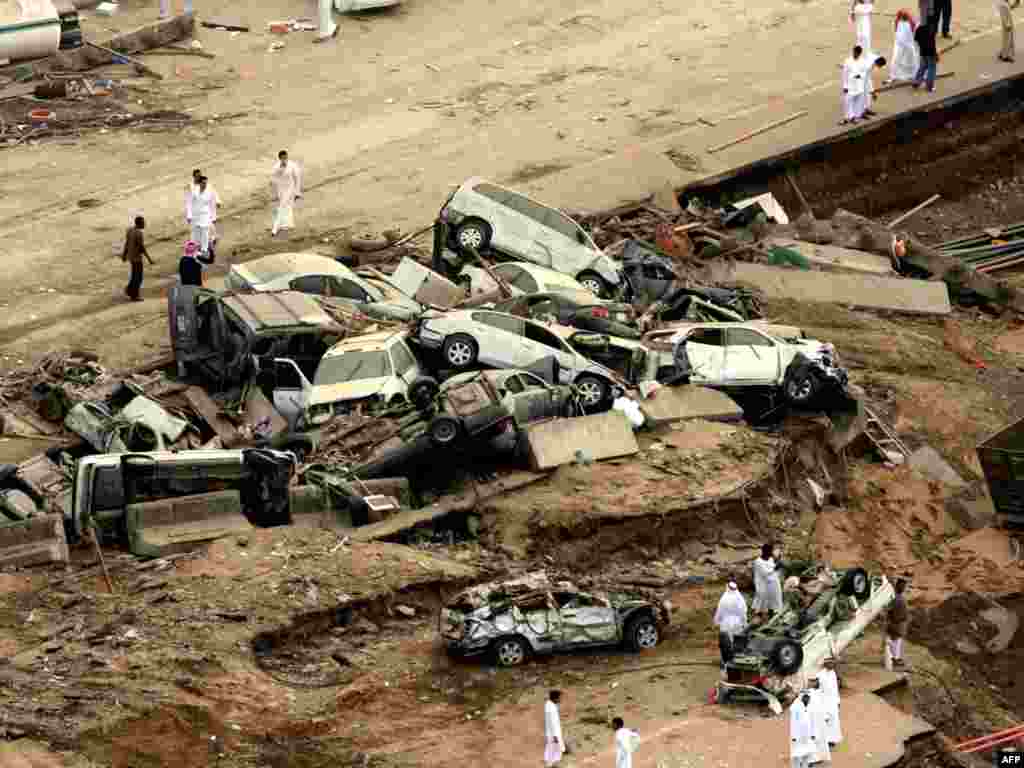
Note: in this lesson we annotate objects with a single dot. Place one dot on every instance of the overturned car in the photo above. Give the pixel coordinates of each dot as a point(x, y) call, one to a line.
point(824, 611)
point(513, 619)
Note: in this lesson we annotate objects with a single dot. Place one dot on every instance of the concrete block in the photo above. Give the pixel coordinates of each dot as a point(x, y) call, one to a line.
point(35, 541)
point(599, 436)
point(929, 462)
point(169, 526)
point(921, 297)
point(689, 402)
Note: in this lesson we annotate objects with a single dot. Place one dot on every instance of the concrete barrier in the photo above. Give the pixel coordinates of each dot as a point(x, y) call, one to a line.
point(600, 436)
point(35, 541)
point(169, 526)
point(689, 402)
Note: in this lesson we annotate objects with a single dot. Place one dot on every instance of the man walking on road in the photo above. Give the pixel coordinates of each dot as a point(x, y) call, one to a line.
point(554, 744)
point(1009, 50)
point(925, 39)
point(943, 16)
point(802, 745)
point(202, 211)
point(828, 683)
point(134, 250)
point(286, 183)
point(896, 627)
point(731, 619)
point(627, 741)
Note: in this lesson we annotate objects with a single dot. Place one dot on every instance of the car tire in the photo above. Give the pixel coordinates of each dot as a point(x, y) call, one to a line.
point(642, 633)
point(423, 391)
point(473, 234)
point(510, 651)
point(594, 283)
point(856, 582)
point(460, 351)
point(444, 430)
point(593, 392)
point(787, 656)
point(801, 388)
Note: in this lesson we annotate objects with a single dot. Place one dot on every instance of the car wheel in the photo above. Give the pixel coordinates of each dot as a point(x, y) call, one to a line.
point(594, 283)
point(593, 392)
point(802, 388)
point(642, 634)
point(856, 582)
point(444, 430)
point(787, 656)
point(423, 391)
point(473, 235)
point(459, 351)
point(510, 652)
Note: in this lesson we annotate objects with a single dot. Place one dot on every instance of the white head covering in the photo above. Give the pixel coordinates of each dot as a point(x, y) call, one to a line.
point(732, 585)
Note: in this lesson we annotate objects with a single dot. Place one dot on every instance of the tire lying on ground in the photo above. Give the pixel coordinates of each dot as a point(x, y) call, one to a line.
point(787, 656)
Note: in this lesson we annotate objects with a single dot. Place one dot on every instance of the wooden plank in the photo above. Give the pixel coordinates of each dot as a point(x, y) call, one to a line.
point(912, 211)
point(758, 131)
point(138, 64)
point(17, 91)
point(220, 22)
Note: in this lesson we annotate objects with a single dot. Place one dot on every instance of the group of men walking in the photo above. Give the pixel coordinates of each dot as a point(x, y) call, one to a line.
point(201, 206)
point(626, 740)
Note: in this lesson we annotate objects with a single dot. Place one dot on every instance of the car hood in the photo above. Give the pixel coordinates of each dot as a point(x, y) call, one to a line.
point(347, 390)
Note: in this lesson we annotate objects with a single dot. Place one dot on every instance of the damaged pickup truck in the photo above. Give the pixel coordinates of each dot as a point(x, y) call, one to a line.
point(513, 619)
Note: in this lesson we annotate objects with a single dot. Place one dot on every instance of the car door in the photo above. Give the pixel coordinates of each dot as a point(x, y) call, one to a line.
point(541, 343)
point(570, 251)
point(527, 222)
point(404, 363)
point(500, 339)
point(705, 350)
point(586, 619)
point(750, 357)
point(291, 391)
point(500, 209)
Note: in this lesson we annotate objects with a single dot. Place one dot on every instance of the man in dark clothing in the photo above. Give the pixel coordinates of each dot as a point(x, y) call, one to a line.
point(190, 268)
point(897, 619)
point(134, 250)
point(925, 39)
point(943, 16)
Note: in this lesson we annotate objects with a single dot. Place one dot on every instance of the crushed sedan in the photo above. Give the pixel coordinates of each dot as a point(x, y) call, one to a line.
point(511, 620)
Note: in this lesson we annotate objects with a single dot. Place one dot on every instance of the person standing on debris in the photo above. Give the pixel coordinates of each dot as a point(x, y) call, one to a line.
point(202, 212)
point(905, 56)
point(855, 93)
point(1008, 51)
point(134, 250)
point(190, 189)
point(925, 39)
point(286, 183)
point(731, 619)
point(801, 731)
point(828, 682)
point(860, 15)
point(554, 744)
point(767, 587)
point(897, 619)
point(627, 741)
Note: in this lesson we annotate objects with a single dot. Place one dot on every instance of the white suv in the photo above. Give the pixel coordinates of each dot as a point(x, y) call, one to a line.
point(482, 214)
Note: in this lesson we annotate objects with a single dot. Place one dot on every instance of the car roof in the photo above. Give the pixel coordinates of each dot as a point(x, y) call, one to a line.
point(278, 265)
point(277, 309)
point(475, 180)
point(366, 342)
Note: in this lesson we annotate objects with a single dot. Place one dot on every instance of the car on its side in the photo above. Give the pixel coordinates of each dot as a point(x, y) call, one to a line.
point(307, 272)
point(482, 215)
point(466, 338)
point(512, 620)
point(580, 310)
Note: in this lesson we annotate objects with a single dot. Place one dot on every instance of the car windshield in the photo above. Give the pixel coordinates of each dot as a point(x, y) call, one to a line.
point(352, 366)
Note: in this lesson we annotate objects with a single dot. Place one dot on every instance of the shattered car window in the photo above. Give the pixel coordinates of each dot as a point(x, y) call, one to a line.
point(353, 366)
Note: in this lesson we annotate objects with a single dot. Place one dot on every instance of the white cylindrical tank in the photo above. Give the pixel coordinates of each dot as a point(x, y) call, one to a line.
point(29, 29)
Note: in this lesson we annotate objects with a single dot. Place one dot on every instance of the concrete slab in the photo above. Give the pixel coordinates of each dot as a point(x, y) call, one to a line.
point(835, 258)
point(168, 526)
point(689, 402)
point(929, 462)
point(922, 297)
point(599, 436)
point(36, 541)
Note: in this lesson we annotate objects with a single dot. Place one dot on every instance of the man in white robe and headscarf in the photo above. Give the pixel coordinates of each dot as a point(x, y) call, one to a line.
point(286, 182)
point(828, 682)
point(819, 718)
point(731, 619)
point(767, 587)
point(860, 15)
point(801, 732)
point(855, 86)
point(554, 744)
point(905, 56)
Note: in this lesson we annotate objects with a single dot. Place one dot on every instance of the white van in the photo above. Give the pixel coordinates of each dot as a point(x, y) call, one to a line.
point(481, 214)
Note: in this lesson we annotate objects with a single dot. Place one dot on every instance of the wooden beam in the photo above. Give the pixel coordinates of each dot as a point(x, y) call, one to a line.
point(138, 64)
point(757, 132)
point(912, 211)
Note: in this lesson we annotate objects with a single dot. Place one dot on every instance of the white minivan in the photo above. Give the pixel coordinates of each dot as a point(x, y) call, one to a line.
point(481, 214)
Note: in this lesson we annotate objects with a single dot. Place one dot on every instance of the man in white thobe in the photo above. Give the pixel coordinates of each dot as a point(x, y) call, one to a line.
point(860, 15)
point(286, 182)
point(731, 619)
point(828, 681)
point(554, 744)
point(818, 709)
point(202, 207)
point(801, 732)
point(626, 742)
point(855, 99)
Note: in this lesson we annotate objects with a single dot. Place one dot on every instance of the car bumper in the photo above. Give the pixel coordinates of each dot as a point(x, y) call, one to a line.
point(459, 647)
